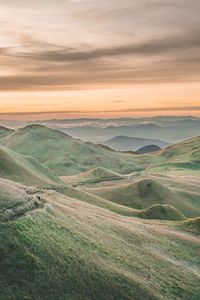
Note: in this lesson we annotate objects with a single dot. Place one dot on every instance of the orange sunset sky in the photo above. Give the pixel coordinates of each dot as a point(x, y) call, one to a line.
point(103, 58)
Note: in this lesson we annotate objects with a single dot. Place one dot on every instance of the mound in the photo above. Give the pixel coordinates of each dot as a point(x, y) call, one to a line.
point(84, 252)
point(93, 176)
point(192, 225)
point(139, 195)
point(65, 155)
point(26, 170)
point(162, 212)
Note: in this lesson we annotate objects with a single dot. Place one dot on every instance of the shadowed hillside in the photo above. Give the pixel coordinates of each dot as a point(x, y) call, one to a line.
point(161, 212)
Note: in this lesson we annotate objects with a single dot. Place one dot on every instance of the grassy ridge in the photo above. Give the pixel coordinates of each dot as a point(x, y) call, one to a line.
point(92, 176)
point(65, 155)
point(147, 192)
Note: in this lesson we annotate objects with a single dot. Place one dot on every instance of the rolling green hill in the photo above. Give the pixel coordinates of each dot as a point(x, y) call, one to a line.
point(26, 170)
point(181, 156)
point(65, 155)
point(68, 249)
point(93, 176)
point(161, 212)
point(147, 192)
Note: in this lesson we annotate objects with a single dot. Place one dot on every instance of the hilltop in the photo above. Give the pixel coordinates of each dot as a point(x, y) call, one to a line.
point(143, 193)
point(66, 155)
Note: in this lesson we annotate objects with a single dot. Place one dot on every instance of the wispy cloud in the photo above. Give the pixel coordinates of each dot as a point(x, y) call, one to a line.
point(42, 65)
point(95, 45)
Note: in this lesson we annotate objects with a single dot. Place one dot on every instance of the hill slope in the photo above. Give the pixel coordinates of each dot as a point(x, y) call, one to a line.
point(147, 192)
point(67, 249)
point(161, 212)
point(181, 156)
point(26, 170)
point(93, 176)
point(66, 155)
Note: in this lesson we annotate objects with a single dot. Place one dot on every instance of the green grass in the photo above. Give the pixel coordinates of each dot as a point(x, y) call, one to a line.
point(73, 250)
point(93, 176)
point(147, 192)
point(26, 170)
point(65, 155)
point(162, 212)
point(192, 225)
point(128, 241)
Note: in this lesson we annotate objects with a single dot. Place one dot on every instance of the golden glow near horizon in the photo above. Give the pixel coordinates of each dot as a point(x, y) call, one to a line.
point(100, 58)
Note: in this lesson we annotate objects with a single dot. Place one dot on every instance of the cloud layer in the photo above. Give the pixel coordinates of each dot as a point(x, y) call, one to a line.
point(88, 44)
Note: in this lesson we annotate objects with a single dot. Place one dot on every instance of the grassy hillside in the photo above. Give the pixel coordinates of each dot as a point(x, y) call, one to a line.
point(161, 212)
point(147, 192)
point(182, 156)
point(4, 132)
point(68, 156)
point(192, 225)
point(68, 249)
point(26, 170)
point(93, 176)
point(65, 155)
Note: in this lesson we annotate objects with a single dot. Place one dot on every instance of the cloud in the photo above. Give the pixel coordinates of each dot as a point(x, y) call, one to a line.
point(39, 63)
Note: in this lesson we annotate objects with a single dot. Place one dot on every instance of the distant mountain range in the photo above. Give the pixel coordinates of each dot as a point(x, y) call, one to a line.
point(171, 129)
point(125, 143)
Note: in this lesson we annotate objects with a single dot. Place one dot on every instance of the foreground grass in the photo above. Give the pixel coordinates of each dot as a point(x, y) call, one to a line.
point(74, 250)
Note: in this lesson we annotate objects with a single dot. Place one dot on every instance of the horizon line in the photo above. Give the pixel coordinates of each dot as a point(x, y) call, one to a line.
point(128, 110)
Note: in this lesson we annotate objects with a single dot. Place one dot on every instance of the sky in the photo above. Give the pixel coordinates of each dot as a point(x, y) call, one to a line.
point(99, 58)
